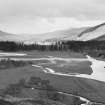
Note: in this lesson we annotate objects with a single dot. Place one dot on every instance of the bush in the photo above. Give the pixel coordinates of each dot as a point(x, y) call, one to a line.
point(8, 63)
point(15, 89)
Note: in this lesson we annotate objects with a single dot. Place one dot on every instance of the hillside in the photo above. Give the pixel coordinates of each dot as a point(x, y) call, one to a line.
point(93, 33)
point(78, 34)
point(69, 34)
point(101, 38)
point(6, 36)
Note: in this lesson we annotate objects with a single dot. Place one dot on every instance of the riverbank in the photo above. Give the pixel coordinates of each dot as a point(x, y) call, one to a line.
point(98, 68)
point(85, 85)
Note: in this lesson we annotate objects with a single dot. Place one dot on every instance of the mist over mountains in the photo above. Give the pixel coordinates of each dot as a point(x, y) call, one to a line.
point(77, 34)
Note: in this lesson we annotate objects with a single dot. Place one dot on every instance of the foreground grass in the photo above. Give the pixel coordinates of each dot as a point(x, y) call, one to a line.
point(87, 88)
point(37, 91)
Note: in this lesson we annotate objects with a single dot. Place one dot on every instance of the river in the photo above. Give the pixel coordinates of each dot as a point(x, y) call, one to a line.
point(97, 66)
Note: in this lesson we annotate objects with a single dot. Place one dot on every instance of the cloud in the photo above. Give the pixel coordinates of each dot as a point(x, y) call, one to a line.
point(40, 25)
point(34, 15)
point(92, 9)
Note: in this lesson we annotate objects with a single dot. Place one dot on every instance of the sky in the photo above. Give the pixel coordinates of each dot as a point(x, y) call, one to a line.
point(41, 16)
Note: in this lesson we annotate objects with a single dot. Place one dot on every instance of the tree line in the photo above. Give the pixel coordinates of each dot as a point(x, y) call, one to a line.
point(18, 46)
point(76, 46)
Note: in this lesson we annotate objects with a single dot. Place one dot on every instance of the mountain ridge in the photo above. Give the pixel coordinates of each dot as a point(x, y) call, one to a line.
point(77, 34)
point(91, 29)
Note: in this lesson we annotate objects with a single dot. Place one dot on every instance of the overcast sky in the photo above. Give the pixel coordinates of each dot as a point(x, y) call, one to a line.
point(40, 16)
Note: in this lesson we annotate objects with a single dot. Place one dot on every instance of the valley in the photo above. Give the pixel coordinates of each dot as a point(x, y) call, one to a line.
point(64, 67)
point(77, 72)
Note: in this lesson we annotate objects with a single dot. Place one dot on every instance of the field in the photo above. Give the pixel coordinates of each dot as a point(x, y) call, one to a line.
point(70, 63)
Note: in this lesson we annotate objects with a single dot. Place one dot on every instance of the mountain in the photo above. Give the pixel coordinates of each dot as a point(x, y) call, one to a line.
point(79, 34)
point(4, 36)
point(93, 33)
point(69, 34)
point(101, 38)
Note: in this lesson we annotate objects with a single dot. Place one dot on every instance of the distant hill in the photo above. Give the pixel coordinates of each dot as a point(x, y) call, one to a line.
point(101, 38)
point(78, 34)
point(4, 36)
point(93, 33)
point(69, 34)
point(81, 34)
